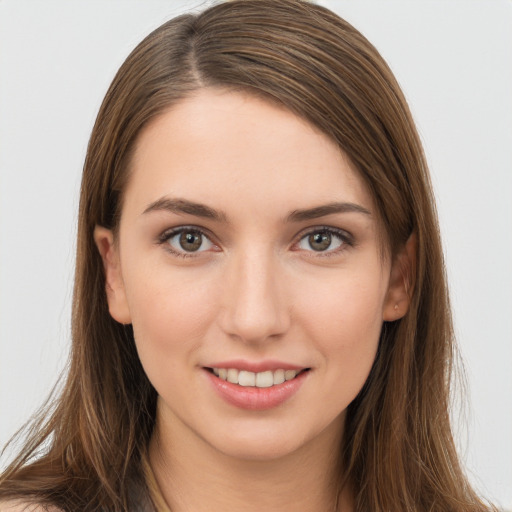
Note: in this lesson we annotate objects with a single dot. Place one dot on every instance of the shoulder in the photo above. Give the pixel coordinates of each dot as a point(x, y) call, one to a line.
point(21, 506)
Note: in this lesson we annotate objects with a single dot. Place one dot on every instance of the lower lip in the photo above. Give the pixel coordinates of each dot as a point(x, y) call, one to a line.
point(253, 398)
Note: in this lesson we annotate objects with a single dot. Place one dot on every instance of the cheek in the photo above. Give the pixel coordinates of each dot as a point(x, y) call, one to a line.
point(344, 317)
point(346, 302)
point(170, 311)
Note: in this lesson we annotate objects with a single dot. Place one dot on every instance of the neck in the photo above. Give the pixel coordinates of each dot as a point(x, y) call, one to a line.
point(193, 475)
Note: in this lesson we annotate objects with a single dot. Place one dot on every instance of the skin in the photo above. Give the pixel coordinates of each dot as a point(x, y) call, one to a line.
point(256, 290)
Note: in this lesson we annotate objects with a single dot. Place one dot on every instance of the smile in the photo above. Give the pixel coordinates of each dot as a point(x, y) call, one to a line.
point(259, 390)
point(264, 379)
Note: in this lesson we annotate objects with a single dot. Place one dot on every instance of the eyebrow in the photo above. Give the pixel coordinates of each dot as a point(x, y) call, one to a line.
point(200, 210)
point(187, 207)
point(327, 209)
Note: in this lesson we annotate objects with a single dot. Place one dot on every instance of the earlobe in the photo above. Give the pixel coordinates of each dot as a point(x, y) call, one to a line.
point(401, 282)
point(114, 285)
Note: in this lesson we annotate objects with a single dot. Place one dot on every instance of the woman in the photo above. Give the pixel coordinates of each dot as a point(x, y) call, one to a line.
point(260, 304)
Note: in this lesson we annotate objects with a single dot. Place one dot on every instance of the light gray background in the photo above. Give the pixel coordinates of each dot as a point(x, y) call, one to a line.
point(454, 61)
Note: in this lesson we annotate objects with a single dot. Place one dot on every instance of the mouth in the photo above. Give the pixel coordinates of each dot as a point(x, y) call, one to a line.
point(265, 379)
point(270, 385)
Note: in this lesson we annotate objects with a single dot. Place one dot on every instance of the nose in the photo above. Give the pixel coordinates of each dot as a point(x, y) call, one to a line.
point(254, 308)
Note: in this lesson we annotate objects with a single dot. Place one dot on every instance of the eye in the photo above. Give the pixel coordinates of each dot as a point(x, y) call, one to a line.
point(185, 241)
point(325, 240)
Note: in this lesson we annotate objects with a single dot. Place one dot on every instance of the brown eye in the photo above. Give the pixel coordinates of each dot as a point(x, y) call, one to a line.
point(191, 241)
point(185, 241)
point(319, 241)
point(327, 240)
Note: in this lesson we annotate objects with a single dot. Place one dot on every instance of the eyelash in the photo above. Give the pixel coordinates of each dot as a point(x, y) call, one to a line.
point(345, 238)
point(166, 236)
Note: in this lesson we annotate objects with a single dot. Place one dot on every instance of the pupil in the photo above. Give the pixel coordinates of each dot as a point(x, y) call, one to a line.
point(190, 241)
point(320, 241)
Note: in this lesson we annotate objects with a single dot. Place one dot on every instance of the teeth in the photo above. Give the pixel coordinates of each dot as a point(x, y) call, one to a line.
point(279, 377)
point(247, 379)
point(264, 379)
point(250, 379)
point(289, 374)
point(233, 376)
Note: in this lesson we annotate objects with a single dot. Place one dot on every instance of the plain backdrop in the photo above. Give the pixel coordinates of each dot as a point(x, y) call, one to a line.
point(453, 59)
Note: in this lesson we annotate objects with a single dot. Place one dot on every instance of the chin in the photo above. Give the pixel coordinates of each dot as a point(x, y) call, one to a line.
point(274, 441)
point(261, 449)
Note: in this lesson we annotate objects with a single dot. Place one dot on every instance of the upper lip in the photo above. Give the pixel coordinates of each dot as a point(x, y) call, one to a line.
point(256, 366)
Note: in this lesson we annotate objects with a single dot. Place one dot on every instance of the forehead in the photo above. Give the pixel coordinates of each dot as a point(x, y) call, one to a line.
point(229, 147)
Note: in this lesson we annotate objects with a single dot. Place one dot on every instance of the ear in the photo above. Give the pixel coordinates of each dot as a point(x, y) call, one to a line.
point(114, 285)
point(401, 282)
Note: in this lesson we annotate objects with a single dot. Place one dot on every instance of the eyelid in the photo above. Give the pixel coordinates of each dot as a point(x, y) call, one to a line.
point(346, 237)
point(166, 235)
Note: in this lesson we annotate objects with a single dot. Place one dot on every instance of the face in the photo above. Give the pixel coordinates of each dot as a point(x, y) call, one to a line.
point(249, 262)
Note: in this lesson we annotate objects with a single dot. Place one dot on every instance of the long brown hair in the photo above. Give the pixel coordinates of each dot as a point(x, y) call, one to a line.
point(89, 449)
